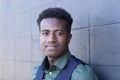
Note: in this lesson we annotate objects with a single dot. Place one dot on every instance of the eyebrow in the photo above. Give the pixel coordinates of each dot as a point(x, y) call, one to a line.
point(54, 30)
point(44, 30)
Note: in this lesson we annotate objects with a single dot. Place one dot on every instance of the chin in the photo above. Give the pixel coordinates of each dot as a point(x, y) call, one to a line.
point(53, 55)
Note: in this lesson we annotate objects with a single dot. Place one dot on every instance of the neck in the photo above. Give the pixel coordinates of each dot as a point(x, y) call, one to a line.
point(51, 61)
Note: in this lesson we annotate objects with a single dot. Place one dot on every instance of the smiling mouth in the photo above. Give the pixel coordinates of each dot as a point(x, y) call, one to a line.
point(52, 46)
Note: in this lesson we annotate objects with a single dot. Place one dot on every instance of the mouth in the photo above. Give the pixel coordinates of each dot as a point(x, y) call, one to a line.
point(51, 47)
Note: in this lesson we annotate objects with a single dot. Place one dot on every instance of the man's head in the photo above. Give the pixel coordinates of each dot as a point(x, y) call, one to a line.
point(54, 26)
point(56, 13)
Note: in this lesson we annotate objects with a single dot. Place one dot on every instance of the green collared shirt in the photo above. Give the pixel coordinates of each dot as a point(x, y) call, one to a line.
point(81, 72)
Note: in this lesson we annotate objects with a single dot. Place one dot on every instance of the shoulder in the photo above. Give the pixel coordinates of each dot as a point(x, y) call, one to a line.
point(83, 72)
point(34, 71)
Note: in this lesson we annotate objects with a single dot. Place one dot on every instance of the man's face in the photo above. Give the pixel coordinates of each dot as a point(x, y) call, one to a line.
point(54, 39)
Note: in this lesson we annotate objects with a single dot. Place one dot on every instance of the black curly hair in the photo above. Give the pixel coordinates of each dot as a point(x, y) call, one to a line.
point(56, 12)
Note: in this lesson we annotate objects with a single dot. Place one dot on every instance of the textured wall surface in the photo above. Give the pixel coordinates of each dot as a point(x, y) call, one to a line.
point(96, 36)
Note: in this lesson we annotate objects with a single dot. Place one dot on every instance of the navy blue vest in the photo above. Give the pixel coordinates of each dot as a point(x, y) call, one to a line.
point(65, 73)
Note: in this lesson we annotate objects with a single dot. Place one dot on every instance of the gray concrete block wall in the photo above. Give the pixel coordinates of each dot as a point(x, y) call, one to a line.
point(95, 39)
point(79, 45)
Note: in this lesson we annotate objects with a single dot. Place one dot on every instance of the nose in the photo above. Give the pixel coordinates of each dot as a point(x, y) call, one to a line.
point(52, 38)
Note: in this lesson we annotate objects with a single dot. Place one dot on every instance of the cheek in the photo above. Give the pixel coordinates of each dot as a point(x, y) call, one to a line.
point(42, 42)
point(63, 42)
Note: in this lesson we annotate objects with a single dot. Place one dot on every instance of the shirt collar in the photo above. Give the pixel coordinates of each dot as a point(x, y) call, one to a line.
point(60, 63)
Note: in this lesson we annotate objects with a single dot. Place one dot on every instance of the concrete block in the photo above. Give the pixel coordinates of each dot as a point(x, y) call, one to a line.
point(7, 6)
point(7, 18)
point(23, 71)
point(79, 45)
point(23, 6)
point(107, 72)
point(37, 54)
point(105, 45)
point(35, 14)
point(23, 24)
point(104, 12)
point(23, 48)
point(7, 25)
point(8, 70)
point(78, 10)
point(40, 3)
point(1, 70)
point(7, 49)
point(1, 51)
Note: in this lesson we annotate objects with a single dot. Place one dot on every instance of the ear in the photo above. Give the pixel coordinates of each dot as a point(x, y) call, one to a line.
point(69, 38)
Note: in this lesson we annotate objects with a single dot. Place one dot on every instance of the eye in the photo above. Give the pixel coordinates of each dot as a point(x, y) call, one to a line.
point(59, 33)
point(44, 33)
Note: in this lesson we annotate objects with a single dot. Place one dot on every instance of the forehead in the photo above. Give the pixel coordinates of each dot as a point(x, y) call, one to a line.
point(53, 23)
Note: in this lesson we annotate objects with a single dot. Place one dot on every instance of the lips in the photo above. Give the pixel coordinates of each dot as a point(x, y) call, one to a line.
point(51, 46)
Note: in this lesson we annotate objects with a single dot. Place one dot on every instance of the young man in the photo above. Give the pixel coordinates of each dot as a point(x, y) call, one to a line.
point(59, 64)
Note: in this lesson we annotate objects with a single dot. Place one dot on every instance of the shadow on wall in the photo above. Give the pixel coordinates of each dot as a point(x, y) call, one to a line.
point(105, 48)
